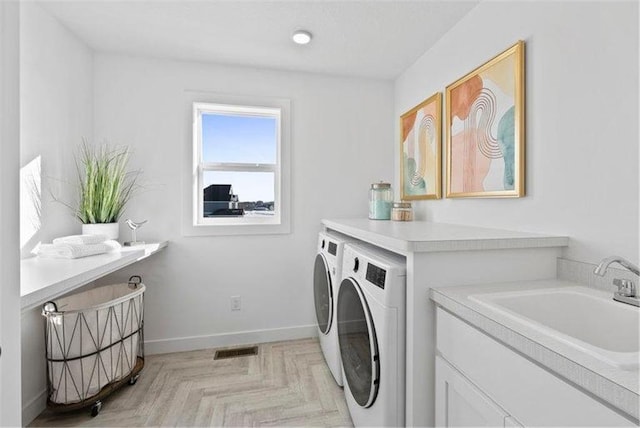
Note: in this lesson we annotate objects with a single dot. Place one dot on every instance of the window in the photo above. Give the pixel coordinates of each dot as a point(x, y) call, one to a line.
point(237, 167)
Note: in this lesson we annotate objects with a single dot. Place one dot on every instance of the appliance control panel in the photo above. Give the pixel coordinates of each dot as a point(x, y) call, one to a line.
point(333, 248)
point(376, 275)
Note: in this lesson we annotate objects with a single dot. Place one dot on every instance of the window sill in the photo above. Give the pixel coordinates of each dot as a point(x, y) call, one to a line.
point(229, 227)
point(244, 220)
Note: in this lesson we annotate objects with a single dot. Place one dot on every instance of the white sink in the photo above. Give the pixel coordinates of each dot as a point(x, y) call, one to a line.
point(584, 318)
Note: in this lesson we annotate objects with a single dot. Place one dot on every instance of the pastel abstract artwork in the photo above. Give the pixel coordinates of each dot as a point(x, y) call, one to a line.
point(485, 129)
point(420, 150)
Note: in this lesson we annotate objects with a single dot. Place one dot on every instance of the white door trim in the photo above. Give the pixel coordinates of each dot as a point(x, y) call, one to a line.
point(10, 371)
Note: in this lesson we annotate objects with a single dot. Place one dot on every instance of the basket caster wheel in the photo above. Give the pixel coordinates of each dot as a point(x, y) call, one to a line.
point(95, 409)
point(133, 379)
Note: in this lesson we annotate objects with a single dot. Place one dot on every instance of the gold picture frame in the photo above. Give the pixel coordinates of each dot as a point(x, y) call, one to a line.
point(485, 126)
point(421, 150)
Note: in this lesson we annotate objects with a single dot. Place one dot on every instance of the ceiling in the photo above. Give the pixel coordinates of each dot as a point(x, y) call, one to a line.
point(377, 39)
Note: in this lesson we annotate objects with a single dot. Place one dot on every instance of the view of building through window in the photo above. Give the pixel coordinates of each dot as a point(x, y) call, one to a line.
point(253, 191)
point(239, 161)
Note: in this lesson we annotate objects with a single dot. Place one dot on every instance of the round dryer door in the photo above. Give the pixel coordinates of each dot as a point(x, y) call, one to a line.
point(323, 294)
point(358, 344)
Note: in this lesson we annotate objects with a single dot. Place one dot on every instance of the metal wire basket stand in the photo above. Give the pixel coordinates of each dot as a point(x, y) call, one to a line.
point(91, 352)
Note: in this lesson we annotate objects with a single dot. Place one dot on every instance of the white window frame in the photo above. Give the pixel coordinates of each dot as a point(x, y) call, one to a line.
point(197, 224)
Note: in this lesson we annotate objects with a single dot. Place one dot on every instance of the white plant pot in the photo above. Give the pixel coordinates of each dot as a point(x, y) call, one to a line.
point(112, 230)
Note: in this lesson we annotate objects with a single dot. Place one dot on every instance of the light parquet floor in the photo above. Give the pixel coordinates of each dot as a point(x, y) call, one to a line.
point(286, 384)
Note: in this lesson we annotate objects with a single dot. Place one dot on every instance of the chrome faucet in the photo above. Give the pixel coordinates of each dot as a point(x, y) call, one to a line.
point(626, 288)
point(604, 265)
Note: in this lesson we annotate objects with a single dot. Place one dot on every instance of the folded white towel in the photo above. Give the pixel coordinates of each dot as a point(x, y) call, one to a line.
point(75, 251)
point(81, 239)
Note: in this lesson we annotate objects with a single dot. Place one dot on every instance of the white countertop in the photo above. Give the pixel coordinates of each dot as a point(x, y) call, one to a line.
point(620, 388)
point(423, 236)
point(43, 279)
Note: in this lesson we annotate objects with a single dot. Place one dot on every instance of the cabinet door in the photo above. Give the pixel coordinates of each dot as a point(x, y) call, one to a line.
point(536, 396)
point(459, 403)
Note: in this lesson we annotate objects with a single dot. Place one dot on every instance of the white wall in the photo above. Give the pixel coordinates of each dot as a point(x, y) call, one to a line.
point(9, 256)
point(56, 112)
point(341, 141)
point(582, 119)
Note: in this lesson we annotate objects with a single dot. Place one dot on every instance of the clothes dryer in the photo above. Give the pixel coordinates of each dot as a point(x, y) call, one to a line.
point(326, 279)
point(371, 335)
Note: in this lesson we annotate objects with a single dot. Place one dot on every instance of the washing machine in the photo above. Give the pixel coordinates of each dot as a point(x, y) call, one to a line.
point(371, 335)
point(326, 279)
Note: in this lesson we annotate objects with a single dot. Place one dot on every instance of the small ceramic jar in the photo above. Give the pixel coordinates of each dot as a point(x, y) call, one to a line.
point(402, 211)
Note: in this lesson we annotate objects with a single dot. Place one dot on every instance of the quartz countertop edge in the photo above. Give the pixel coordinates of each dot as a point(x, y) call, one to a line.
point(600, 385)
point(424, 236)
point(43, 279)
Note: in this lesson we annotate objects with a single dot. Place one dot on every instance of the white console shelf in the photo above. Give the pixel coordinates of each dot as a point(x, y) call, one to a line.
point(43, 279)
point(441, 255)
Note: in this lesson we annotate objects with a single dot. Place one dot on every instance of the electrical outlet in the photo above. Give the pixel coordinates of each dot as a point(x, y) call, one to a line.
point(235, 303)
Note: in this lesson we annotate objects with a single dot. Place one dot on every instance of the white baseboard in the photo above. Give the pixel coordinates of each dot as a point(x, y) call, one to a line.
point(192, 343)
point(34, 407)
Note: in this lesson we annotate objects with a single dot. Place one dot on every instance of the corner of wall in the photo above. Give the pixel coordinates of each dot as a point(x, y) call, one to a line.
point(65, 67)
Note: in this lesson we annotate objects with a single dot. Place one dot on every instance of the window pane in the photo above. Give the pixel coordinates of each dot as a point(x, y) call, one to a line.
point(255, 191)
point(242, 139)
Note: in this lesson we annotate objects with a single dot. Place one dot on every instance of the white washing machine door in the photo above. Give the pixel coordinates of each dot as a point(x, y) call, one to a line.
point(358, 343)
point(322, 294)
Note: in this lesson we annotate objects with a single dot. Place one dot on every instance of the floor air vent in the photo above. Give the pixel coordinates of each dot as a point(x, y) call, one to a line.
point(238, 352)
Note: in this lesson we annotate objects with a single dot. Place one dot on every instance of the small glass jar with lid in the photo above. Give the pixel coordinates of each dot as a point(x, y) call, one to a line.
point(402, 211)
point(380, 200)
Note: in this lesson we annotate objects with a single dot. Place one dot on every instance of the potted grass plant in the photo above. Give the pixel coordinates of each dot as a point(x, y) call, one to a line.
point(105, 187)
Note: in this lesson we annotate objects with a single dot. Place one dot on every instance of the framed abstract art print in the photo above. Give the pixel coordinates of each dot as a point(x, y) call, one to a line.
point(486, 130)
point(421, 150)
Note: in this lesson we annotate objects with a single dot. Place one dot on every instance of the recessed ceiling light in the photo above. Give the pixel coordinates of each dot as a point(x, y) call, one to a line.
point(302, 37)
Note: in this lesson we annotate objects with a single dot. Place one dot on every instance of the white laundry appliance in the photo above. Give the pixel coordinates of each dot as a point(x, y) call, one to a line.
point(371, 335)
point(326, 279)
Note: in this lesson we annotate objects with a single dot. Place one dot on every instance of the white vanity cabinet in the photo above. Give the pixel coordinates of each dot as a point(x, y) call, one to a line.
point(459, 403)
point(481, 382)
